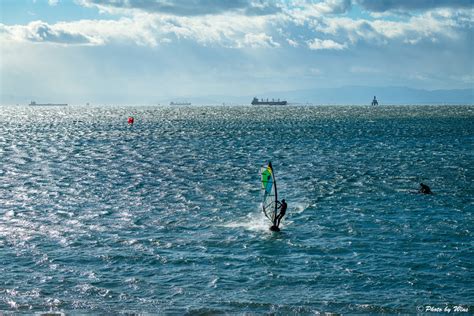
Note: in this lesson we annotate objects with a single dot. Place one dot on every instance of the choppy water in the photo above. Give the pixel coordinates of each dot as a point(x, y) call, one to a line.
point(163, 216)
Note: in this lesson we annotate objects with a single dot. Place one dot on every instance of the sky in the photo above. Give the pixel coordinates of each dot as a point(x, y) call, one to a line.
point(146, 51)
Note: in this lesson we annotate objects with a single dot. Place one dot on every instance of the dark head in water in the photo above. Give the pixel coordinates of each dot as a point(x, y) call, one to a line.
point(424, 189)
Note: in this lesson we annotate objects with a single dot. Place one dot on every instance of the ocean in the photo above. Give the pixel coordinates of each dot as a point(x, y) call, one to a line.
point(164, 217)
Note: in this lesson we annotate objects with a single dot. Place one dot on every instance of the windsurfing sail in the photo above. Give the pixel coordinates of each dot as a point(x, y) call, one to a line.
point(269, 188)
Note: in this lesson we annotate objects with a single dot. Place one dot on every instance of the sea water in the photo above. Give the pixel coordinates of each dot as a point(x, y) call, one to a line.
point(163, 216)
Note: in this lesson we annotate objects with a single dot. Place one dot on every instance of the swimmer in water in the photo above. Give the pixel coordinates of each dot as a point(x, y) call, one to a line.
point(424, 189)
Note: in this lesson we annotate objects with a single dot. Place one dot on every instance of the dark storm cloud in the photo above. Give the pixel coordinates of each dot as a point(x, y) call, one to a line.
point(194, 7)
point(407, 5)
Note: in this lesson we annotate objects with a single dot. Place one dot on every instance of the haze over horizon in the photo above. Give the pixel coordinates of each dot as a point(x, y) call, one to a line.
point(146, 51)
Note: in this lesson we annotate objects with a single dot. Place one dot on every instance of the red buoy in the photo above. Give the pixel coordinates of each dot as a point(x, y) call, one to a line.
point(130, 120)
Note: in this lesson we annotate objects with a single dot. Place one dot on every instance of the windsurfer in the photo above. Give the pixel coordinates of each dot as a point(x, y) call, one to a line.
point(282, 206)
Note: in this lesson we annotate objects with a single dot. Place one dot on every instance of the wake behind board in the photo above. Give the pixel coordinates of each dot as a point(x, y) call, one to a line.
point(269, 188)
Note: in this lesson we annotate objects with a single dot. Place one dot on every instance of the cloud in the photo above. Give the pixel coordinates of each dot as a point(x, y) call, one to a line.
point(53, 2)
point(301, 12)
point(333, 6)
point(318, 44)
point(432, 26)
point(244, 23)
point(232, 31)
point(189, 7)
point(408, 5)
point(257, 40)
point(42, 32)
point(292, 42)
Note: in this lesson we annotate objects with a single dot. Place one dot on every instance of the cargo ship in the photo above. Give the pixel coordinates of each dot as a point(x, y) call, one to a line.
point(33, 103)
point(255, 101)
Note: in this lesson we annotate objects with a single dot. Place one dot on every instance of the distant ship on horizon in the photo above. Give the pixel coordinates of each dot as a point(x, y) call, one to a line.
point(255, 101)
point(180, 103)
point(374, 101)
point(33, 103)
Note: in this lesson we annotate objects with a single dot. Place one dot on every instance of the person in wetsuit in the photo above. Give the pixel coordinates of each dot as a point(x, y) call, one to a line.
point(282, 213)
point(424, 189)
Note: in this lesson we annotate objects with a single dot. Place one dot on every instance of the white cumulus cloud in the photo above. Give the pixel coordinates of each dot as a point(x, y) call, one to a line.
point(319, 44)
point(257, 40)
point(42, 32)
point(234, 25)
point(230, 30)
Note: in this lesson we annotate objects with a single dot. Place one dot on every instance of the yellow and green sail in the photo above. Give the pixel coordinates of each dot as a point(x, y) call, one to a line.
point(269, 203)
